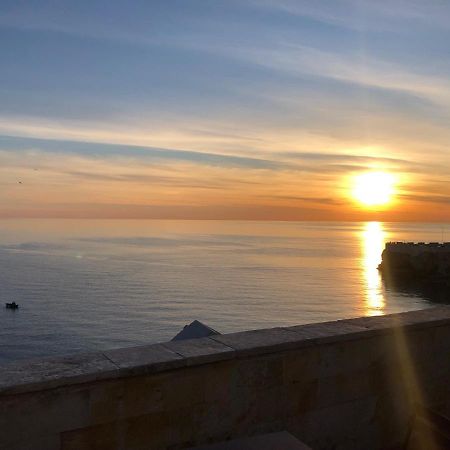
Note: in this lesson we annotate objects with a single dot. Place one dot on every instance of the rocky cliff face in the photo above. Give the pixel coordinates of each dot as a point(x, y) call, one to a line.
point(423, 263)
point(418, 269)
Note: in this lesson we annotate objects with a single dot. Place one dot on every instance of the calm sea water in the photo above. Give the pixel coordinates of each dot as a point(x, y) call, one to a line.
point(93, 285)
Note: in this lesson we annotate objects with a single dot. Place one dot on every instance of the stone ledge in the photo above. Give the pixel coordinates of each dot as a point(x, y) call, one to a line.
point(201, 350)
point(417, 319)
point(144, 359)
point(48, 373)
point(322, 333)
point(256, 342)
point(43, 374)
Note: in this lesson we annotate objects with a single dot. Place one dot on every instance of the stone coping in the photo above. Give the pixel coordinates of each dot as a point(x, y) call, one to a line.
point(49, 373)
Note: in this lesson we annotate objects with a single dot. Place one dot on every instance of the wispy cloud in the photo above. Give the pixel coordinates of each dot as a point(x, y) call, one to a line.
point(365, 14)
point(439, 199)
point(32, 152)
point(362, 70)
point(94, 149)
point(318, 200)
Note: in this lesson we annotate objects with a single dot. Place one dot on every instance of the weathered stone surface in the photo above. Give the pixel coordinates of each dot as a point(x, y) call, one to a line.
point(301, 398)
point(22, 442)
point(49, 373)
point(343, 388)
point(258, 342)
point(330, 427)
point(145, 359)
point(353, 355)
point(105, 401)
point(301, 365)
point(40, 416)
point(424, 318)
point(393, 415)
point(200, 350)
point(327, 332)
point(98, 437)
point(272, 441)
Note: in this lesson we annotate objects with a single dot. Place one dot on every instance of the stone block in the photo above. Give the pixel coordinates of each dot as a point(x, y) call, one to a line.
point(328, 332)
point(105, 401)
point(145, 359)
point(259, 373)
point(271, 441)
point(264, 407)
point(344, 387)
point(99, 437)
point(326, 428)
point(48, 373)
point(442, 336)
point(366, 437)
point(219, 381)
point(184, 389)
point(259, 342)
point(160, 431)
point(38, 416)
point(24, 442)
point(302, 365)
point(352, 356)
point(393, 416)
point(200, 350)
point(301, 398)
point(426, 318)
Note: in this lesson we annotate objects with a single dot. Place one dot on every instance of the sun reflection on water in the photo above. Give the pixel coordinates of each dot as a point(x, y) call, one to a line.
point(372, 244)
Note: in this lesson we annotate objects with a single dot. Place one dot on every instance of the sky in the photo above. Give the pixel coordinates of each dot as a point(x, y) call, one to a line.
point(231, 109)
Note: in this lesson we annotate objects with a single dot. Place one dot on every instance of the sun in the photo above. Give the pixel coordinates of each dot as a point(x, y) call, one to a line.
point(373, 188)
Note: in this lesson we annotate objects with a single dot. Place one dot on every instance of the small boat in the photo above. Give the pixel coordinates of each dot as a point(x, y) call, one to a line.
point(12, 305)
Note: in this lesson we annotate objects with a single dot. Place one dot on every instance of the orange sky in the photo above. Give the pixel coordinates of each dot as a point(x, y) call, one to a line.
point(255, 110)
point(280, 186)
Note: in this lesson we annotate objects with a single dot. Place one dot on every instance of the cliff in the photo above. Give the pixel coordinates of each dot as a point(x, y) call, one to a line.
point(417, 259)
point(418, 269)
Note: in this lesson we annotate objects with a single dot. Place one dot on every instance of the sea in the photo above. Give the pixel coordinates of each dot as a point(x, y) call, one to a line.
point(90, 285)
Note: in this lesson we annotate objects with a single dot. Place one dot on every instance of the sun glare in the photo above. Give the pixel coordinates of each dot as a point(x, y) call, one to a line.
point(373, 188)
point(372, 243)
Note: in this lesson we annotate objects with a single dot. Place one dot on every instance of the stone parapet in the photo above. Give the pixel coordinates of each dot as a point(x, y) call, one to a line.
point(350, 383)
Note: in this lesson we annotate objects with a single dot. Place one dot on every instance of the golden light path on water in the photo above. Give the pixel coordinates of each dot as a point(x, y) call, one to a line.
point(372, 244)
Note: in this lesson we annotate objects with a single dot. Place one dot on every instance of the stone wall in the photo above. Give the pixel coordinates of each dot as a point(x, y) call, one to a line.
point(348, 384)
